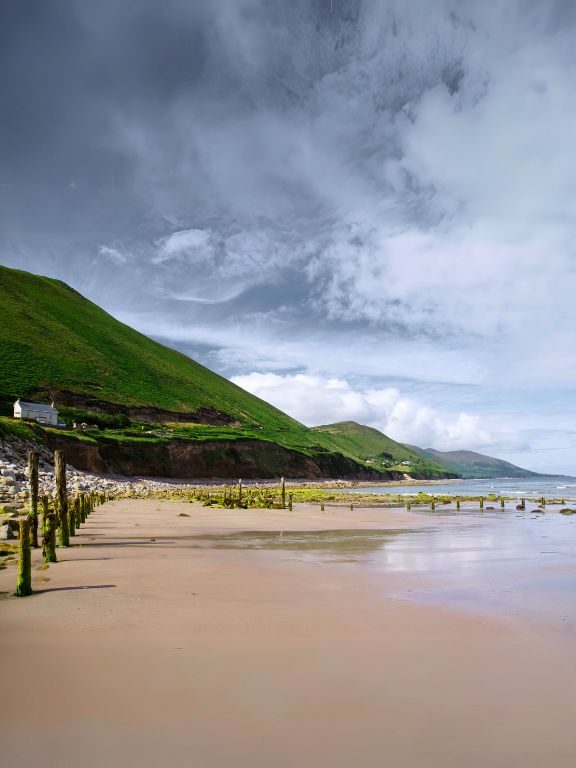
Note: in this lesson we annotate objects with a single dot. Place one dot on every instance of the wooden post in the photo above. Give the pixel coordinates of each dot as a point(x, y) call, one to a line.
point(33, 458)
point(77, 512)
point(501, 503)
point(62, 498)
point(283, 482)
point(523, 503)
point(408, 505)
point(49, 535)
point(239, 492)
point(24, 583)
point(71, 517)
point(351, 507)
point(433, 503)
point(290, 502)
point(543, 501)
point(321, 506)
point(457, 502)
point(481, 502)
point(45, 513)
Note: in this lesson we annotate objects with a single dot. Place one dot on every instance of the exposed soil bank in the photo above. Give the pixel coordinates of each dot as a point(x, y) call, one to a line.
point(140, 650)
point(249, 459)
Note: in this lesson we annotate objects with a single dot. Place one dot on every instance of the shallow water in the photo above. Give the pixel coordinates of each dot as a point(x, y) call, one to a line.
point(512, 563)
point(551, 487)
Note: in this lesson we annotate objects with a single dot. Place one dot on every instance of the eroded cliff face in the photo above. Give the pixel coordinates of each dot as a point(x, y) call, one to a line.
point(249, 459)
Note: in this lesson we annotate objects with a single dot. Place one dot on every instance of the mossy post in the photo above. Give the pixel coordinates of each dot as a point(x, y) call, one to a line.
point(481, 502)
point(501, 503)
point(290, 502)
point(239, 492)
point(62, 498)
point(49, 537)
point(433, 503)
point(543, 501)
point(77, 512)
point(24, 583)
point(321, 506)
point(33, 458)
point(457, 502)
point(45, 513)
point(351, 507)
point(523, 503)
point(283, 485)
point(83, 507)
point(71, 517)
point(408, 505)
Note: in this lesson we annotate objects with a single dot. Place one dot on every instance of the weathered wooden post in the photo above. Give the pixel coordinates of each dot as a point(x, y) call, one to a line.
point(321, 506)
point(239, 492)
point(71, 517)
point(501, 503)
point(408, 505)
point(45, 513)
point(433, 503)
point(457, 502)
point(24, 583)
point(523, 503)
point(351, 507)
point(77, 511)
point(283, 483)
point(481, 502)
point(62, 498)
point(543, 501)
point(290, 502)
point(33, 458)
point(49, 534)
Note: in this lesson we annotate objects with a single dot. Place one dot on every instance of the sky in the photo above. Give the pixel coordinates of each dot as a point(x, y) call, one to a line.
point(356, 209)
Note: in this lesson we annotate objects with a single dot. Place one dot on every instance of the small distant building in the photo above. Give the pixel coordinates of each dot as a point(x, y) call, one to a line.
point(43, 414)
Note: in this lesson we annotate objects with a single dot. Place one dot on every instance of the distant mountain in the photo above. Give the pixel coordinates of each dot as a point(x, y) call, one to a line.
point(470, 464)
point(380, 451)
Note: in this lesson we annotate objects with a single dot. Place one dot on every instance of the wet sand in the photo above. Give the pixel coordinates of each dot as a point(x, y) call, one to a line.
point(176, 652)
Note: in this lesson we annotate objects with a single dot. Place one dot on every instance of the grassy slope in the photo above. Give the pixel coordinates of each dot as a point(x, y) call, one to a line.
point(368, 443)
point(52, 338)
point(474, 465)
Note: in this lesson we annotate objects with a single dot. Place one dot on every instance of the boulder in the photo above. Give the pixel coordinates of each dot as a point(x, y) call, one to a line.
point(7, 533)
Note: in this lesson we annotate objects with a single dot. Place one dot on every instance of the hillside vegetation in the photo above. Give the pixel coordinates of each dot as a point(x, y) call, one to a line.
point(370, 445)
point(54, 342)
point(144, 397)
point(470, 464)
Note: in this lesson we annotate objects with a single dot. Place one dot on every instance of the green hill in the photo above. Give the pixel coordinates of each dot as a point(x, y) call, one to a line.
point(380, 451)
point(470, 464)
point(55, 344)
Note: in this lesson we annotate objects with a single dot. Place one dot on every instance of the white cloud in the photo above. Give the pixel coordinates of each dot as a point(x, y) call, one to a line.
point(315, 400)
point(195, 244)
point(113, 254)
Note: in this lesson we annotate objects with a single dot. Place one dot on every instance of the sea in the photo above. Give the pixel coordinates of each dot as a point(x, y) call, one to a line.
point(536, 487)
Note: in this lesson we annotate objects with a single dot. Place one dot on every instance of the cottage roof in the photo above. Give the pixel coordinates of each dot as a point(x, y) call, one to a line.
point(37, 406)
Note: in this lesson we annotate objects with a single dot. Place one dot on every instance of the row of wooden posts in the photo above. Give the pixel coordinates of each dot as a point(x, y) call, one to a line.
point(61, 517)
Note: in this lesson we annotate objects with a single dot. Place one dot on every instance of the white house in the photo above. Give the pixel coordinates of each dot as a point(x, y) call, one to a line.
point(43, 414)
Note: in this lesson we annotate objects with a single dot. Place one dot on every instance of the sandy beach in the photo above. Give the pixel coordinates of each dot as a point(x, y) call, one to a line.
point(147, 646)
